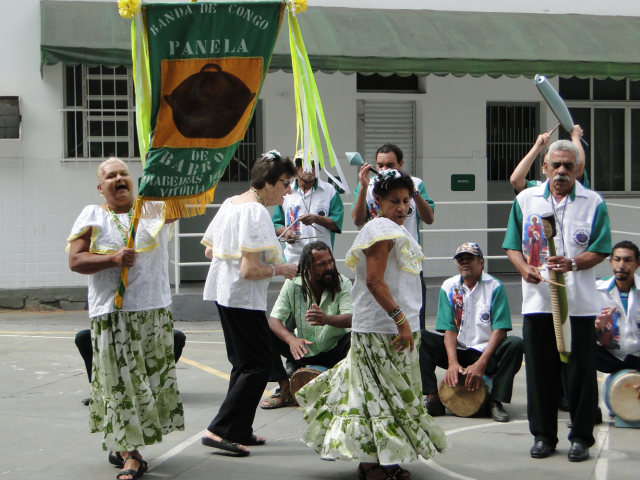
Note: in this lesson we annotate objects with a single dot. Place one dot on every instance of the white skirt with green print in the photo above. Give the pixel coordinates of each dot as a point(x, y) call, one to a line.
point(369, 407)
point(134, 393)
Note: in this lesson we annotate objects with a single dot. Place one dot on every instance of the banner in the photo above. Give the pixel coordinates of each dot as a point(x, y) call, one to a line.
point(207, 63)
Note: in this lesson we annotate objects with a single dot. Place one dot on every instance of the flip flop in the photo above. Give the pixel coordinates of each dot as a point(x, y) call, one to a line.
point(226, 445)
point(254, 441)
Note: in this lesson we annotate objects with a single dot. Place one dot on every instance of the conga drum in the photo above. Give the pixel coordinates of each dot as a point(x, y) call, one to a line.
point(461, 401)
point(620, 397)
point(303, 376)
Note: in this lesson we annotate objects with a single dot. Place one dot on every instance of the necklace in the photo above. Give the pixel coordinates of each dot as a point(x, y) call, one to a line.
point(125, 237)
point(303, 196)
point(560, 223)
point(255, 192)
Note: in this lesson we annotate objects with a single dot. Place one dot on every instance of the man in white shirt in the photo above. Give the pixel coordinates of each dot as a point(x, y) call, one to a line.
point(315, 209)
point(363, 209)
point(583, 241)
point(475, 342)
point(618, 325)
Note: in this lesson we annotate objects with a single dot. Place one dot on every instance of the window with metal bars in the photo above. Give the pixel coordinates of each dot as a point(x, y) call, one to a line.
point(99, 120)
point(512, 129)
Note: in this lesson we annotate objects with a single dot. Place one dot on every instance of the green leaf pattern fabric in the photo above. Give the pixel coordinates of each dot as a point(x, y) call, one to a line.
point(134, 393)
point(369, 407)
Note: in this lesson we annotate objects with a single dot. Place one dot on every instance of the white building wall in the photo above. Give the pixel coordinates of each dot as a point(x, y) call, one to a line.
point(42, 196)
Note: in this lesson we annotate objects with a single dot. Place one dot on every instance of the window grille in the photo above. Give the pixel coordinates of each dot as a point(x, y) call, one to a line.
point(10, 117)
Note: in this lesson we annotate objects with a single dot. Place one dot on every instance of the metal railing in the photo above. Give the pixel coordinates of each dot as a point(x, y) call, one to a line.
point(177, 235)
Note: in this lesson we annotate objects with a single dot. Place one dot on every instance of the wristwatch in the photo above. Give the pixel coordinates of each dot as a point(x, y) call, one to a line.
point(416, 192)
point(574, 265)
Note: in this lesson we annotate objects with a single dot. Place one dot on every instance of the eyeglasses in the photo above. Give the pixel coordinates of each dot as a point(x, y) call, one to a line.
point(286, 184)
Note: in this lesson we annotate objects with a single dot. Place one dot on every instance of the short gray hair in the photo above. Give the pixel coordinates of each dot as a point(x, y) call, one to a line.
point(100, 170)
point(564, 146)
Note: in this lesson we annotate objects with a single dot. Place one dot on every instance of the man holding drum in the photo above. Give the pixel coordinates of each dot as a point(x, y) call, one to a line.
point(582, 242)
point(479, 343)
point(618, 325)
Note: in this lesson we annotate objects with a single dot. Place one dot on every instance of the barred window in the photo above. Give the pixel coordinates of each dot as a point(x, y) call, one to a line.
point(10, 117)
point(100, 122)
point(512, 129)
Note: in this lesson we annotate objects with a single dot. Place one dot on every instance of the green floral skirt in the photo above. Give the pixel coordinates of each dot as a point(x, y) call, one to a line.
point(134, 393)
point(369, 407)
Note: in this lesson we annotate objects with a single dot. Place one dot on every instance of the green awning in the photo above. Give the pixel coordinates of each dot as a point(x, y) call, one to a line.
point(404, 42)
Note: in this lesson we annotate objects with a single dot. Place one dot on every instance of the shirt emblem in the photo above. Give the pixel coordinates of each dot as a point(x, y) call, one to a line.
point(581, 237)
point(322, 212)
point(485, 315)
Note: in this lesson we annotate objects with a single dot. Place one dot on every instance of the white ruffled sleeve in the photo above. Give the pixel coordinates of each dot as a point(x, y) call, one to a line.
point(407, 251)
point(243, 228)
point(90, 217)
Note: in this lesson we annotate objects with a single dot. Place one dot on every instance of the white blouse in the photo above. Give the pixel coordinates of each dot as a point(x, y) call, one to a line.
point(401, 276)
point(236, 229)
point(148, 281)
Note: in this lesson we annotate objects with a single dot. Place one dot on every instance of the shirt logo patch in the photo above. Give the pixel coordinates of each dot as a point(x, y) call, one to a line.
point(485, 315)
point(638, 325)
point(581, 237)
point(322, 212)
point(411, 211)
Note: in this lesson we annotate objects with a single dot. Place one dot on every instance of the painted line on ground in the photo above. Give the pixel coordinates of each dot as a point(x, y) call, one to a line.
point(601, 470)
point(217, 343)
point(175, 450)
point(32, 336)
point(215, 372)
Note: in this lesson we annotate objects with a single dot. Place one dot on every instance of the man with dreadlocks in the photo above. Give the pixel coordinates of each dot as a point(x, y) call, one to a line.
point(320, 300)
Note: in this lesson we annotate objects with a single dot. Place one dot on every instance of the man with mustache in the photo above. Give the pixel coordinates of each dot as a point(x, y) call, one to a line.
point(620, 315)
point(583, 241)
point(475, 346)
point(319, 298)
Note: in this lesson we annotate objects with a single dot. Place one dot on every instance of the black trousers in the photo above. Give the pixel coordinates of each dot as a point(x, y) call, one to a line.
point(83, 342)
point(503, 365)
point(544, 368)
point(327, 359)
point(423, 310)
point(608, 363)
point(248, 340)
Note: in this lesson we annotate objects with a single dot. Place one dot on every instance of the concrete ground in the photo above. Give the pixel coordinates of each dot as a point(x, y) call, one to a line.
point(45, 427)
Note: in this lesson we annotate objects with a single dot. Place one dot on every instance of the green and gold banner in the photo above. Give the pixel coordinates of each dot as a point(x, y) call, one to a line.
point(206, 65)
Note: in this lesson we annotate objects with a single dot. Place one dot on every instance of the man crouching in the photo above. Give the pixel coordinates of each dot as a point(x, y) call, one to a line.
point(319, 298)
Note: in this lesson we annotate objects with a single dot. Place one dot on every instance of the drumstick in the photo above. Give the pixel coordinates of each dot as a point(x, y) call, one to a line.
point(555, 128)
point(554, 283)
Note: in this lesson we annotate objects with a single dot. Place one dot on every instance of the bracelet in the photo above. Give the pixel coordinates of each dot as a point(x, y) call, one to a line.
point(273, 272)
point(395, 312)
point(402, 320)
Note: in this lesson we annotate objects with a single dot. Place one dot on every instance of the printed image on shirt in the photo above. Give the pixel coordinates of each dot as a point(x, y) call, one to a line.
point(456, 299)
point(373, 210)
point(411, 211)
point(534, 244)
point(609, 336)
point(292, 215)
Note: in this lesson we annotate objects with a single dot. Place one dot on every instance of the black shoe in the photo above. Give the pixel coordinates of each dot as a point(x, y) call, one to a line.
point(497, 412)
point(578, 452)
point(541, 450)
point(563, 406)
point(85, 401)
point(435, 409)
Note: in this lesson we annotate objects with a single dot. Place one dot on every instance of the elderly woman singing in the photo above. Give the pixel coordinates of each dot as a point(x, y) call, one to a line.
point(245, 256)
point(369, 407)
point(134, 393)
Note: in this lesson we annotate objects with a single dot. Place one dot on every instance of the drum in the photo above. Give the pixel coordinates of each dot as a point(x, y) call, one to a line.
point(461, 401)
point(619, 395)
point(303, 376)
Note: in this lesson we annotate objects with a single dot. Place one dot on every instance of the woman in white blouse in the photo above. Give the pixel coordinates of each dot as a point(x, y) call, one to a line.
point(134, 394)
point(246, 255)
point(369, 407)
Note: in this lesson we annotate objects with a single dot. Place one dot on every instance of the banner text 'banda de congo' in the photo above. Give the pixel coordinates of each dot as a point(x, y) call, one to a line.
point(207, 63)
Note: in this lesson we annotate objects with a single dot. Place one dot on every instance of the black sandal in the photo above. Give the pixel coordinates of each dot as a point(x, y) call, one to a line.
point(226, 445)
point(399, 472)
point(362, 472)
point(116, 459)
point(142, 468)
point(254, 442)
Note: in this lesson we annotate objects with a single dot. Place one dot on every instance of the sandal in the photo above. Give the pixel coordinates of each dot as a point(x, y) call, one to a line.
point(399, 473)
point(362, 472)
point(272, 403)
point(142, 468)
point(254, 442)
point(116, 459)
point(226, 445)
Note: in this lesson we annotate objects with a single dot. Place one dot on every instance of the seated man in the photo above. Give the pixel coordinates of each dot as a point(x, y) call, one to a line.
point(320, 300)
point(475, 342)
point(617, 334)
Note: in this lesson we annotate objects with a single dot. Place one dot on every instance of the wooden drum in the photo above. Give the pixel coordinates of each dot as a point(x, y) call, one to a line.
point(619, 395)
point(303, 376)
point(461, 401)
